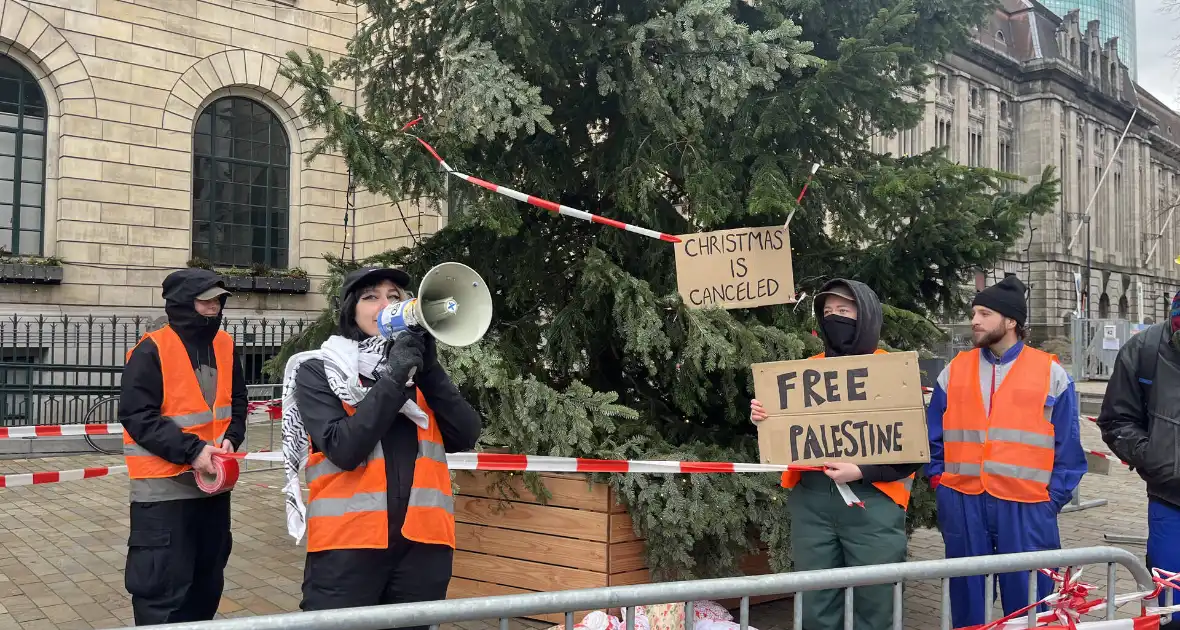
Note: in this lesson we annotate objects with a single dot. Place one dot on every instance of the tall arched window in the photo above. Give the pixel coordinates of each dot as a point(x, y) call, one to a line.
point(22, 159)
point(240, 185)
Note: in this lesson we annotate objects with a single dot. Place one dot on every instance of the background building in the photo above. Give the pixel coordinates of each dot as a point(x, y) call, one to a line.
point(1117, 18)
point(137, 136)
point(1036, 89)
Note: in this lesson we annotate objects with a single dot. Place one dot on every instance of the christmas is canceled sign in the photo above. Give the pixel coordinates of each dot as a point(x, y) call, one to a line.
point(863, 409)
point(742, 268)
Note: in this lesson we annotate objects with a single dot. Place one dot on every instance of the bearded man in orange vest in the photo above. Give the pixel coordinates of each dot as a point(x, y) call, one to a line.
point(825, 533)
point(1005, 450)
point(183, 399)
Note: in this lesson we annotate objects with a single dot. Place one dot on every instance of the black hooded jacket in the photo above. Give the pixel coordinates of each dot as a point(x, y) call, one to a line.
point(347, 440)
point(142, 391)
point(1140, 418)
point(869, 318)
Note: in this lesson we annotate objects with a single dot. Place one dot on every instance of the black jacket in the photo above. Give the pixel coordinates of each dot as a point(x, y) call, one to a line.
point(347, 440)
point(1145, 433)
point(869, 318)
point(142, 390)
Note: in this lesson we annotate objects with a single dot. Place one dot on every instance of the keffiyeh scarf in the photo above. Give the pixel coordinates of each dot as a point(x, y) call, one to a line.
point(345, 361)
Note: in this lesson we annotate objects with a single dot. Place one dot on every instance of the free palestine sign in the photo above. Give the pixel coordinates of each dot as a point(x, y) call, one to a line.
point(742, 268)
point(863, 409)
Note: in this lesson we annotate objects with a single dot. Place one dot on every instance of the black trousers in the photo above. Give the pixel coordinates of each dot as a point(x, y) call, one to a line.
point(176, 557)
point(349, 578)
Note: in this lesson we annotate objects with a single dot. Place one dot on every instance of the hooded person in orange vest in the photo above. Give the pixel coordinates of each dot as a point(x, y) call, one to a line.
point(1005, 450)
point(183, 399)
point(379, 519)
point(825, 532)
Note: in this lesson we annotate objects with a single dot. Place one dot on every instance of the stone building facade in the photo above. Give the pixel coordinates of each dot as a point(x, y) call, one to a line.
point(154, 132)
point(1037, 89)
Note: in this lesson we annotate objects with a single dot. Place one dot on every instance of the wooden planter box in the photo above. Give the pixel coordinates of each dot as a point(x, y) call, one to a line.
point(583, 538)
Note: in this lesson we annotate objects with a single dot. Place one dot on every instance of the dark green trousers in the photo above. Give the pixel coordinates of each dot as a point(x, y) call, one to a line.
point(827, 534)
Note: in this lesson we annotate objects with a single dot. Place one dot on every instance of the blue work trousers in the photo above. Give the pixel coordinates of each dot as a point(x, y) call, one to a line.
point(1163, 546)
point(982, 525)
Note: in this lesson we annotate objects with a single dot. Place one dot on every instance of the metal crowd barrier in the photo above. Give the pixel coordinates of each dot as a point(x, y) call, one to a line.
point(507, 607)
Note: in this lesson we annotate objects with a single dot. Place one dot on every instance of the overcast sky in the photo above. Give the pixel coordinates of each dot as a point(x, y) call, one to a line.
point(1158, 32)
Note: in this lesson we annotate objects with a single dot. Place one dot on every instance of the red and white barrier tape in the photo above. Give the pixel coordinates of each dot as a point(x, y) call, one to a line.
point(58, 430)
point(30, 479)
point(539, 202)
point(464, 461)
point(1106, 456)
point(1068, 603)
point(540, 463)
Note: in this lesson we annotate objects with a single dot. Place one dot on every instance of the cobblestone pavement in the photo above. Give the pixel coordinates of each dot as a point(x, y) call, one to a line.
point(62, 547)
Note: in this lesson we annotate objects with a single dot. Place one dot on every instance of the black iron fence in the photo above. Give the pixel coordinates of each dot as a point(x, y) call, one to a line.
point(67, 370)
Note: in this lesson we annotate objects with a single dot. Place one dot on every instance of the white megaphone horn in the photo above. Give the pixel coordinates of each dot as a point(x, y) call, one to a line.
point(453, 305)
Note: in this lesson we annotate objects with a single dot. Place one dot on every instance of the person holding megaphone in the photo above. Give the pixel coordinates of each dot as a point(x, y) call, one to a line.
point(380, 414)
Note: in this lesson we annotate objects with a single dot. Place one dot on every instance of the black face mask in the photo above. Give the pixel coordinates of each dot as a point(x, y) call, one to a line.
point(840, 333)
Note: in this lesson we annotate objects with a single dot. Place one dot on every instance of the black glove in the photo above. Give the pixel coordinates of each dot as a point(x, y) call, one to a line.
point(403, 355)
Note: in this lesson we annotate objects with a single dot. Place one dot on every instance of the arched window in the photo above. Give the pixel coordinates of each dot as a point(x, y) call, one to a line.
point(1003, 110)
point(241, 179)
point(22, 159)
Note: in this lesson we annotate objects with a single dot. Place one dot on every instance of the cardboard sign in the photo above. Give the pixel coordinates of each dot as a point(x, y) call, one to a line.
point(864, 409)
point(742, 268)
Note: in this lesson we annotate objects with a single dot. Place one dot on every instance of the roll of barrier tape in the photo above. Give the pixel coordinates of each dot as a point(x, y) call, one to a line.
point(226, 477)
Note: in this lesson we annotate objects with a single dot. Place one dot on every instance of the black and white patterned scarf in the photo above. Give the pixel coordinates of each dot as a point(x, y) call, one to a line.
point(345, 361)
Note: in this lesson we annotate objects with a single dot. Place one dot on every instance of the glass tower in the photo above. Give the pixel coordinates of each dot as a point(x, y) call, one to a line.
point(1117, 18)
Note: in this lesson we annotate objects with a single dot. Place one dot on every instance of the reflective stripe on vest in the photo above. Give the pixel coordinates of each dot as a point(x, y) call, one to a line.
point(184, 404)
point(898, 490)
point(349, 509)
point(1008, 452)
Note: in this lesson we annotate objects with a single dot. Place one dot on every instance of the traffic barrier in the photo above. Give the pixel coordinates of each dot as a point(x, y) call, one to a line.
point(800, 583)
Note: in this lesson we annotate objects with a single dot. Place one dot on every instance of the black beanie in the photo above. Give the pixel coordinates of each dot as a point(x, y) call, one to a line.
point(1006, 297)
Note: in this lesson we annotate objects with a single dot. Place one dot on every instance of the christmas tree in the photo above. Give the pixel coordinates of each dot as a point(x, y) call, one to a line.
point(682, 116)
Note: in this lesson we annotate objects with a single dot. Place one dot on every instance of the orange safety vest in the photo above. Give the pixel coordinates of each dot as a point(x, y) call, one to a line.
point(348, 509)
point(183, 401)
point(1008, 452)
point(898, 490)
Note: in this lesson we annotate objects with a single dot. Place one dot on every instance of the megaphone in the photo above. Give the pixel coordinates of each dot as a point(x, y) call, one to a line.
point(453, 305)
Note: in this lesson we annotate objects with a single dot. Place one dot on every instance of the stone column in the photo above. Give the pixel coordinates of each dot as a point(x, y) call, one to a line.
point(961, 134)
point(1051, 142)
point(1134, 245)
point(1072, 180)
point(991, 129)
point(928, 132)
